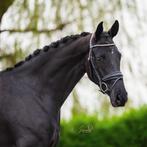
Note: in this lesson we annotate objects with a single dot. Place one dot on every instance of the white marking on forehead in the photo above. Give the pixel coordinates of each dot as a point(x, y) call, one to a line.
point(112, 51)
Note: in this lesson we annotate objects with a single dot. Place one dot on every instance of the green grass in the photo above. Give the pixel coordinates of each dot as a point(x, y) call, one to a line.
point(128, 130)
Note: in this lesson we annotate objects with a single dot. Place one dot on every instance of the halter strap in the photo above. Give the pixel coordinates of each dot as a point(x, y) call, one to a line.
point(117, 75)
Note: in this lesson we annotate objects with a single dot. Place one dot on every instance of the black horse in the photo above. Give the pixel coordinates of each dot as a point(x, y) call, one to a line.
point(33, 91)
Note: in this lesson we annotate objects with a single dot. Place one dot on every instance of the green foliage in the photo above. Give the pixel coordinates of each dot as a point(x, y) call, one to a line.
point(128, 130)
point(9, 59)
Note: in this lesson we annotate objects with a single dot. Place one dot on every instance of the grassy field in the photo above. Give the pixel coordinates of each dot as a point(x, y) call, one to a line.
point(128, 130)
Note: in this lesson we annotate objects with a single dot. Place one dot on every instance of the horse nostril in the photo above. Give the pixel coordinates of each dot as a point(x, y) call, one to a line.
point(118, 99)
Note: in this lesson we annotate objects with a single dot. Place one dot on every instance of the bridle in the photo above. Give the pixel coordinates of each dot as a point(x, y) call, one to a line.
point(102, 82)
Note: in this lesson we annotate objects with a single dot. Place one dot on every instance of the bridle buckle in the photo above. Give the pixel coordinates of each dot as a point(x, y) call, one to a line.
point(104, 87)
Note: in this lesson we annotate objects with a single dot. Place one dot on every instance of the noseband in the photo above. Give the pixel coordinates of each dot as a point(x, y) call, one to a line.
point(102, 82)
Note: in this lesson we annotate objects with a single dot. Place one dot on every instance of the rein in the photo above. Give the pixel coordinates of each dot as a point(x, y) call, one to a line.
point(102, 82)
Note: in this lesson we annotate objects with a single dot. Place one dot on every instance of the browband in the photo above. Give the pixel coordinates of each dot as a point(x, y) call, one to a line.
point(98, 45)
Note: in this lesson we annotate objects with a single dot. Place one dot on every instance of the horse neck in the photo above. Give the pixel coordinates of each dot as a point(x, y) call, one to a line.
point(56, 72)
point(66, 68)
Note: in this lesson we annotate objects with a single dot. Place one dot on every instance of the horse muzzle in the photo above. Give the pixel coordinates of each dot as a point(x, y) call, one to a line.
point(118, 99)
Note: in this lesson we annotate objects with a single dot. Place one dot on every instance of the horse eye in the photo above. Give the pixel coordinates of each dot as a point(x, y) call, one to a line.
point(100, 58)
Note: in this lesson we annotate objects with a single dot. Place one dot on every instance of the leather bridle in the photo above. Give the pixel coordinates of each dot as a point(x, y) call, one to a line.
point(102, 81)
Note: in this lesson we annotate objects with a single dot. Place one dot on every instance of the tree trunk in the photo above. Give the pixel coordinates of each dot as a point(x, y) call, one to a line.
point(4, 5)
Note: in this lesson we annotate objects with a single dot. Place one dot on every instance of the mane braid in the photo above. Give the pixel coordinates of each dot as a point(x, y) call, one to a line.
point(47, 47)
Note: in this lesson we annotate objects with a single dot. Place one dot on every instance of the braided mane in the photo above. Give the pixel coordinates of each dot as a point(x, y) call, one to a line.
point(46, 48)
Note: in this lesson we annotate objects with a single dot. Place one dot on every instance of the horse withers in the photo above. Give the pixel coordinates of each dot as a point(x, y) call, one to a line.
point(33, 91)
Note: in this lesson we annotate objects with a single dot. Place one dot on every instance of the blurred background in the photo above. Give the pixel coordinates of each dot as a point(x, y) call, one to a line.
point(26, 25)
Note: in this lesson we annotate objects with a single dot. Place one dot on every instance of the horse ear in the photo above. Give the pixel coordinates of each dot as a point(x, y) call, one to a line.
point(114, 29)
point(99, 30)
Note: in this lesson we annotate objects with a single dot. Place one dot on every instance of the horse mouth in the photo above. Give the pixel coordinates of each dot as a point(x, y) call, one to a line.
point(119, 100)
point(117, 104)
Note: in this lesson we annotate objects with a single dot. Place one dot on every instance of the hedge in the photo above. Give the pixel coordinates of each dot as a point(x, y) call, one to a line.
point(128, 130)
